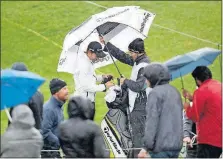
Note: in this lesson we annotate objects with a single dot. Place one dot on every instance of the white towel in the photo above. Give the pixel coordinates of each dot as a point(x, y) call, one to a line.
point(111, 93)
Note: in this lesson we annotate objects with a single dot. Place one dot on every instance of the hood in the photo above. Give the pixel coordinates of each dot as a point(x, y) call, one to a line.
point(157, 74)
point(22, 117)
point(19, 66)
point(80, 107)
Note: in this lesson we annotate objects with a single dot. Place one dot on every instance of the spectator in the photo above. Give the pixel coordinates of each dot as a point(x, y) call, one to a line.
point(80, 137)
point(35, 103)
point(21, 139)
point(206, 112)
point(164, 119)
point(53, 116)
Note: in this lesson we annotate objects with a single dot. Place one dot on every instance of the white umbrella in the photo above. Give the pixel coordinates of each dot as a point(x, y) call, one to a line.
point(118, 25)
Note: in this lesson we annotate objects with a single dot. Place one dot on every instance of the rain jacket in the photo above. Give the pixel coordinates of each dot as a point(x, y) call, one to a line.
point(21, 139)
point(206, 111)
point(85, 79)
point(164, 109)
point(52, 116)
point(79, 136)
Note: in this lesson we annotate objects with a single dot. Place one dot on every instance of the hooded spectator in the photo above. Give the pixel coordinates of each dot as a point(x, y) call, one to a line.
point(164, 115)
point(21, 139)
point(80, 137)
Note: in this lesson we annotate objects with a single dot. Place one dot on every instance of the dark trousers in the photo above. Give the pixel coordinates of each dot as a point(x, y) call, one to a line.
point(208, 151)
point(50, 150)
point(47, 153)
point(137, 121)
point(191, 153)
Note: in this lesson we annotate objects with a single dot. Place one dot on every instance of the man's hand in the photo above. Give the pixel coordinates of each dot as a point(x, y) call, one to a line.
point(186, 105)
point(188, 141)
point(143, 154)
point(107, 76)
point(101, 39)
point(109, 84)
point(187, 95)
point(122, 80)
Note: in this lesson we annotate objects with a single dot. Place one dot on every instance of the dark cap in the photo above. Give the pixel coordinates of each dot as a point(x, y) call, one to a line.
point(96, 48)
point(19, 66)
point(137, 46)
point(56, 85)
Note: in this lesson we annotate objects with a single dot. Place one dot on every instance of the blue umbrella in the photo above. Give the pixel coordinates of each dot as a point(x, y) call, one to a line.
point(17, 87)
point(184, 64)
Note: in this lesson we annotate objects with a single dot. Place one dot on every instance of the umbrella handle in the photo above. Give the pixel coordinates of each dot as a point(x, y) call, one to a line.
point(8, 114)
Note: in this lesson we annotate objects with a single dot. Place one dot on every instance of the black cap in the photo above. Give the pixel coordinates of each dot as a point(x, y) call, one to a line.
point(56, 84)
point(19, 66)
point(96, 48)
point(137, 46)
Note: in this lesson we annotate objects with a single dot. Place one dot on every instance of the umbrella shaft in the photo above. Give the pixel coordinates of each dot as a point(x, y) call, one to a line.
point(114, 62)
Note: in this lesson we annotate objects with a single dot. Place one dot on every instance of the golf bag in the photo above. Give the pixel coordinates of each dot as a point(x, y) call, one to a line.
point(115, 126)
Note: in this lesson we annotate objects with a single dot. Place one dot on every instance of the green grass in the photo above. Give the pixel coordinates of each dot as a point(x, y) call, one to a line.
point(55, 19)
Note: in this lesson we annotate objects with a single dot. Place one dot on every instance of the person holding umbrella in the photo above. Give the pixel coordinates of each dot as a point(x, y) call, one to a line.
point(35, 103)
point(21, 138)
point(85, 77)
point(206, 111)
point(136, 85)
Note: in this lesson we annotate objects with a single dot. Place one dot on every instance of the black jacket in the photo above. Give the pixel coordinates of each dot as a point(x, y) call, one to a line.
point(79, 136)
point(36, 105)
point(139, 84)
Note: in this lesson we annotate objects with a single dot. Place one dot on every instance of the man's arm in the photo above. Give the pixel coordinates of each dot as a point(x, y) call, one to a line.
point(87, 84)
point(47, 124)
point(196, 111)
point(187, 125)
point(139, 84)
point(119, 54)
point(152, 121)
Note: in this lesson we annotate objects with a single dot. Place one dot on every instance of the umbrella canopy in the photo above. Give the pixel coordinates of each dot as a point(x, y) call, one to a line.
point(18, 87)
point(184, 64)
point(118, 25)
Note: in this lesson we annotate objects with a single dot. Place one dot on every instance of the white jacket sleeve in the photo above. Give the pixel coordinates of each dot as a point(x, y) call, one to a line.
point(90, 86)
point(87, 83)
